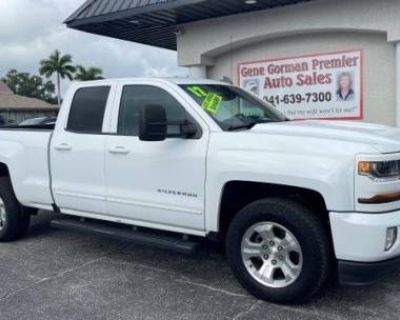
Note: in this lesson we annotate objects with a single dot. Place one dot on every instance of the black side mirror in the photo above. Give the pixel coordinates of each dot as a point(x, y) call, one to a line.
point(152, 123)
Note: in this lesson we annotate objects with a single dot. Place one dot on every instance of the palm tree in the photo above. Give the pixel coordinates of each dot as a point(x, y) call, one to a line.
point(58, 64)
point(83, 74)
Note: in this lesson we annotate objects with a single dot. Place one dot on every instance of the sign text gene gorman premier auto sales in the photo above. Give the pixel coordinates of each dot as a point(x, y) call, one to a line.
point(323, 86)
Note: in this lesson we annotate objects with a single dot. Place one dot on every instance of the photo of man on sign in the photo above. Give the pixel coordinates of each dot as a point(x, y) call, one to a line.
point(345, 90)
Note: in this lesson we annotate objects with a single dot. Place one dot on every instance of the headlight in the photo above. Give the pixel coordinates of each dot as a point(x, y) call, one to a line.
point(380, 170)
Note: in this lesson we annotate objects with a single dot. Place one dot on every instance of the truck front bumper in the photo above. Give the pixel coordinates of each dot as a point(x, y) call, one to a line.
point(359, 243)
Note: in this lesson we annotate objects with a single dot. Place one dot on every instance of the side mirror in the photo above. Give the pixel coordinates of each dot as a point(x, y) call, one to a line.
point(152, 123)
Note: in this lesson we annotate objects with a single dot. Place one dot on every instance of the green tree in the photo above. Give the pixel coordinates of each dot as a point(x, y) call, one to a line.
point(92, 73)
point(58, 64)
point(32, 86)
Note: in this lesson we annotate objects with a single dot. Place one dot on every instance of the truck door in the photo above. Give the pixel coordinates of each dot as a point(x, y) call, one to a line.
point(77, 152)
point(155, 184)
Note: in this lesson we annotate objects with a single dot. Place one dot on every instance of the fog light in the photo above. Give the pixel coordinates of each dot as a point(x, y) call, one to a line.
point(391, 236)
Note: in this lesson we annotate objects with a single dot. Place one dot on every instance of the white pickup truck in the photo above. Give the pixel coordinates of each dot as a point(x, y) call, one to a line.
point(294, 201)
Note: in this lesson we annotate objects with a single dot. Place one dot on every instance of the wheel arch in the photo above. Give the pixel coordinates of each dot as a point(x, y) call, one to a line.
point(236, 194)
point(4, 171)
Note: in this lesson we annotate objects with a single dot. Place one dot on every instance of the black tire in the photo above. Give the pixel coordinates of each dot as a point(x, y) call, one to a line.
point(17, 220)
point(310, 234)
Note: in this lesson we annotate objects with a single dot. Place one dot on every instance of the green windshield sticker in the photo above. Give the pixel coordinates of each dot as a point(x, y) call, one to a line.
point(212, 103)
point(198, 91)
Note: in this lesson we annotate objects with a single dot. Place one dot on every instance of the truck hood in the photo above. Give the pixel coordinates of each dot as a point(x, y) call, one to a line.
point(384, 139)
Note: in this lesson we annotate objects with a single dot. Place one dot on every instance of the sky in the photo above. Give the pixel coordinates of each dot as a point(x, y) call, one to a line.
point(30, 30)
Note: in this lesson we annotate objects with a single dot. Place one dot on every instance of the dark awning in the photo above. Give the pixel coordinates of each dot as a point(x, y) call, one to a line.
point(154, 22)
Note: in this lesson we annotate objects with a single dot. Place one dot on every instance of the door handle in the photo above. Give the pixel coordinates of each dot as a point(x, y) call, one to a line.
point(63, 147)
point(119, 150)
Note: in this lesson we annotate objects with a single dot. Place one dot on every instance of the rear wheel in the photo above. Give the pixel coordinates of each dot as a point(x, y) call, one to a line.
point(278, 250)
point(14, 221)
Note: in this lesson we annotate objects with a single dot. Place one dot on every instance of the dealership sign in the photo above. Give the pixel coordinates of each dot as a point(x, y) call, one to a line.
point(323, 86)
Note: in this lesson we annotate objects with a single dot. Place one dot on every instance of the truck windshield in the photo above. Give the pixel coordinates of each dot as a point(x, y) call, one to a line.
point(232, 108)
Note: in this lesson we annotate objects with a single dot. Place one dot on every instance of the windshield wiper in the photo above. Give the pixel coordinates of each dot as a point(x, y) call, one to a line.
point(244, 126)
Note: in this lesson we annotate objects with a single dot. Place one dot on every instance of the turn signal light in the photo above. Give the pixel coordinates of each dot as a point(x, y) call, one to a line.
point(364, 167)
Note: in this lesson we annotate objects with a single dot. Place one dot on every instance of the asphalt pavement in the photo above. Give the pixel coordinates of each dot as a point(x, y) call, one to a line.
point(55, 274)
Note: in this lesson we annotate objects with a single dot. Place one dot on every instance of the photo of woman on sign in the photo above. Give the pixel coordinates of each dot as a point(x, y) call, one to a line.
point(345, 90)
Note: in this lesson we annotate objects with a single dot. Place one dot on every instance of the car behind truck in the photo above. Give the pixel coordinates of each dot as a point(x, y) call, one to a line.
point(294, 201)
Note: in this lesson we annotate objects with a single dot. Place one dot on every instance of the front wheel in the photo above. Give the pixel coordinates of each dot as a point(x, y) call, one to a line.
point(278, 250)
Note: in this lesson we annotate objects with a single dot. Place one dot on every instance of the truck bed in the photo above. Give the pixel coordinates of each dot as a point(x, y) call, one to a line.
point(25, 150)
point(33, 127)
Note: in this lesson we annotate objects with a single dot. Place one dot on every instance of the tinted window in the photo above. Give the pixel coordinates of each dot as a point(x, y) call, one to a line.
point(87, 110)
point(135, 97)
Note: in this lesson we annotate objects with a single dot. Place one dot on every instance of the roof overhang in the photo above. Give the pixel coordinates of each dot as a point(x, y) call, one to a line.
point(154, 22)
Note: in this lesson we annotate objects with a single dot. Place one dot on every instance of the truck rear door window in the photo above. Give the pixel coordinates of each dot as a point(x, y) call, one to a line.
point(87, 110)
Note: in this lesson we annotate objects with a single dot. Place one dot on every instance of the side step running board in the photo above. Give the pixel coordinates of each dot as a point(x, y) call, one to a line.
point(122, 233)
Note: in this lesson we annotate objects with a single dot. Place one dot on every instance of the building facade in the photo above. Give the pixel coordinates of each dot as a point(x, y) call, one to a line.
point(331, 59)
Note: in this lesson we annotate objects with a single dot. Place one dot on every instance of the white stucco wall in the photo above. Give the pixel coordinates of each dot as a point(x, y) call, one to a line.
point(200, 42)
point(219, 45)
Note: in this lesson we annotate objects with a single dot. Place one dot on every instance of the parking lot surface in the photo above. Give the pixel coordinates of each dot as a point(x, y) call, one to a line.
point(53, 274)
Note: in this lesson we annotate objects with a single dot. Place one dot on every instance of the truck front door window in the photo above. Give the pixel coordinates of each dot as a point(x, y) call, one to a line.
point(134, 97)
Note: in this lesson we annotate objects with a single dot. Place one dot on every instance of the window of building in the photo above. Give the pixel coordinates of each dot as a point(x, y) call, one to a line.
point(87, 110)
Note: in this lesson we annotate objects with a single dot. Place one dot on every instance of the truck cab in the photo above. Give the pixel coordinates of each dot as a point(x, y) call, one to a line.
point(101, 167)
point(293, 201)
